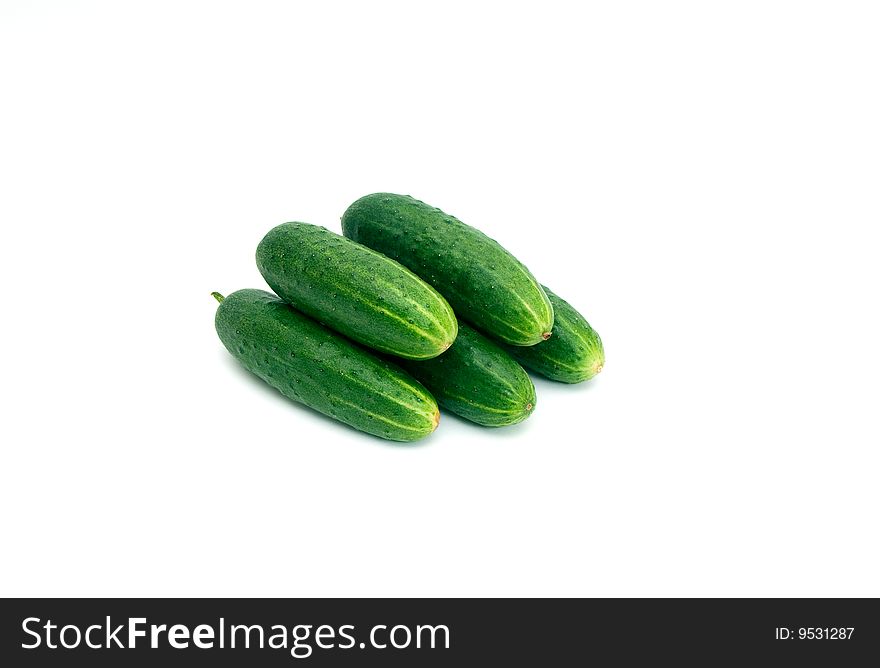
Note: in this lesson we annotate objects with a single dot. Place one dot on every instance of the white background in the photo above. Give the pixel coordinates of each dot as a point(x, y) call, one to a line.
point(700, 179)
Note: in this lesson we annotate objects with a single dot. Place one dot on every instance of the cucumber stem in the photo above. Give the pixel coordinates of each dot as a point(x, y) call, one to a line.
point(218, 296)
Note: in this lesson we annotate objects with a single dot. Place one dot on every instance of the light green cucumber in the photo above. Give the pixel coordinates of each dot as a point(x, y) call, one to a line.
point(358, 292)
point(573, 354)
point(485, 284)
point(477, 380)
point(310, 364)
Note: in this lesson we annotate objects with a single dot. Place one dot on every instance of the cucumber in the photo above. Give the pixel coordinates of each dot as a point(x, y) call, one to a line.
point(477, 380)
point(485, 284)
point(356, 291)
point(310, 364)
point(573, 354)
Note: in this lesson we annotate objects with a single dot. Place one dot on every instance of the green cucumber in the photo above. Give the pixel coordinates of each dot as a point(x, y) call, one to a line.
point(477, 380)
point(485, 284)
point(310, 364)
point(356, 291)
point(573, 354)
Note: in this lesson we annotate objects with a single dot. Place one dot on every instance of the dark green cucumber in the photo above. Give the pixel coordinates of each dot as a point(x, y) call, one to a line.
point(310, 364)
point(573, 354)
point(358, 292)
point(477, 380)
point(485, 284)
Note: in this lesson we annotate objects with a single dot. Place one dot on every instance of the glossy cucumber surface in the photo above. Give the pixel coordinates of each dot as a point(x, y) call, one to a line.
point(572, 355)
point(356, 291)
point(477, 380)
point(315, 366)
point(484, 283)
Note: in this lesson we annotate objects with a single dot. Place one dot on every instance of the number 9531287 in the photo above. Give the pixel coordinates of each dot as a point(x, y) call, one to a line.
point(825, 633)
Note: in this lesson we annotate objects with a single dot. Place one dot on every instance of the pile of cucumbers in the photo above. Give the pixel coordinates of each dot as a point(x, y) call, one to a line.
point(411, 308)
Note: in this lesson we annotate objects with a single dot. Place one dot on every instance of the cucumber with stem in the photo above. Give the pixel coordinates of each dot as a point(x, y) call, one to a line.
point(315, 366)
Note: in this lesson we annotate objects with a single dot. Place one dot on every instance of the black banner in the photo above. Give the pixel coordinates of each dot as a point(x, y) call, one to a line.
point(437, 632)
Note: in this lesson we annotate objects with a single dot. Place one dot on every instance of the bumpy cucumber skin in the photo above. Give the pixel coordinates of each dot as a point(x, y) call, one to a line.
point(477, 380)
point(308, 363)
point(485, 284)
point(572, 355)
point(356, 291)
